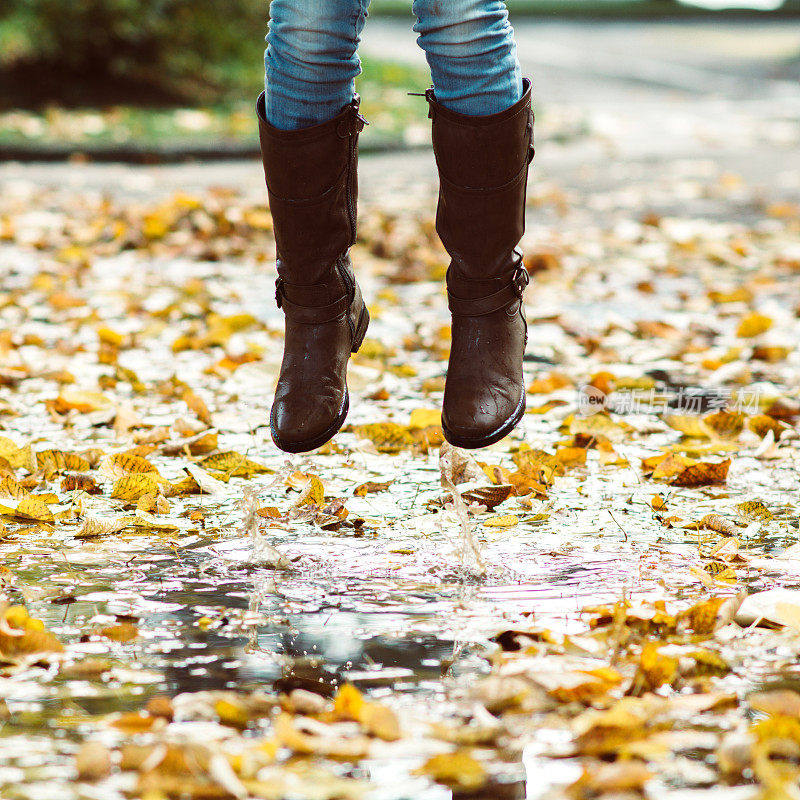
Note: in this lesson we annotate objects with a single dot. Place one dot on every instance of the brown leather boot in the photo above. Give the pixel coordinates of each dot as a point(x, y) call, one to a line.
point(313, 186)
point(483, 170)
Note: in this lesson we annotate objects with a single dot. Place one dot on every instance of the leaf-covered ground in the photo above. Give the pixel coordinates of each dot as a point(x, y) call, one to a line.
point(606, 604)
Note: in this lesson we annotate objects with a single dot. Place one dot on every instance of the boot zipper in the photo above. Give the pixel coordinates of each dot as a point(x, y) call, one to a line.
point(358, 125)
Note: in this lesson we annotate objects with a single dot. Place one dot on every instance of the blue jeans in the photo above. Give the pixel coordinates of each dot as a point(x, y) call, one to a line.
point(312, 57)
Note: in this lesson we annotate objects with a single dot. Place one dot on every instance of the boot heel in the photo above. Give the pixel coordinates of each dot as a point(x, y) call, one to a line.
point(361, 329)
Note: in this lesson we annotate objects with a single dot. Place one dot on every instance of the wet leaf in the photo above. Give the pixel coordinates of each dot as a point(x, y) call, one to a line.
point(457, 770)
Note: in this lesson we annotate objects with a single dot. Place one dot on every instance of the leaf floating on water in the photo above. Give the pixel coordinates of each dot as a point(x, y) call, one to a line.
point(17, 457)
point(507, 521)
point(703, 474)
point(84, 402)
point(93, 527)
point(55, 461)
point(120, 465)
point(457, 770)
point(234, 465)
point(753, 324)
point(132, 487)
point(370, 487)
point(28, 508)
point(22, 635)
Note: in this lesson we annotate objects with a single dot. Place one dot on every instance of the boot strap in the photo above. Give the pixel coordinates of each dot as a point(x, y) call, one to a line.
point(311, 315)
point(511, 293)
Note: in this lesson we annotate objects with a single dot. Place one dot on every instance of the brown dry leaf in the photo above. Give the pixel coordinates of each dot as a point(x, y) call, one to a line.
point(233, 465)
point(762, 424)
point(457, 770)
point(488, 496)
point(425, 418)
point(80, 483)
point(726, 424)
point(754, 510)
point(718, 523)
point(704, 473)
point(371, 487)
point(132, 487)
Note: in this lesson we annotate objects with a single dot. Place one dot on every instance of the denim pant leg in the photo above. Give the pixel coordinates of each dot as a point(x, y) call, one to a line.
point(470, 48)
point(311, 59)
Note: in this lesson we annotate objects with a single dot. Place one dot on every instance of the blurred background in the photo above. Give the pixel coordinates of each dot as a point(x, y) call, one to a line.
point(162, 80)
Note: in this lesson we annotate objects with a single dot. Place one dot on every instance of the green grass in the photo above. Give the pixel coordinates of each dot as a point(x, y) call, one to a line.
point(228, 122)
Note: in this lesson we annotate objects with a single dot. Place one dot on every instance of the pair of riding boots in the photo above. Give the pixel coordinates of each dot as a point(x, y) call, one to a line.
point(312, 185)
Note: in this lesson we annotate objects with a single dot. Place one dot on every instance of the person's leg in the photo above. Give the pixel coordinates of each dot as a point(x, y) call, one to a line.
point(483, 142)
point(470, 48)
point(311, 60)
point(309, 125)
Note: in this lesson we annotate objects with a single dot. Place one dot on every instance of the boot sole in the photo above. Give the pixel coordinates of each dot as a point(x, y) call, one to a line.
point(495, 436)
point(327, 435)
point(319, 440)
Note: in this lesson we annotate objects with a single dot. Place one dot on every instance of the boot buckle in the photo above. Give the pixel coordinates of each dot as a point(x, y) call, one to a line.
point(520, 280)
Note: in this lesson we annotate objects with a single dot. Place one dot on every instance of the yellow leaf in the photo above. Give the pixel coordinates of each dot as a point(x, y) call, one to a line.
point(83, 402)
point(132, 487)
point(313, 494)
point(507, 521)
point(457, 770)
point(17, 457)
point(689, 425)
point(27, 508)
point(425, 418)
point(93, 527)
point(9, 487)
point(124, 632)
point(388, 437)
point(753, 324)
point(233, 464)
point(55, 461)
point(348, 703)
point(22, 635)
point(120, 465)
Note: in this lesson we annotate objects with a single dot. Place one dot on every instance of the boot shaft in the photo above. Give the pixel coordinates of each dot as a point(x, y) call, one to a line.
point(483, 169)
point(312, 183)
